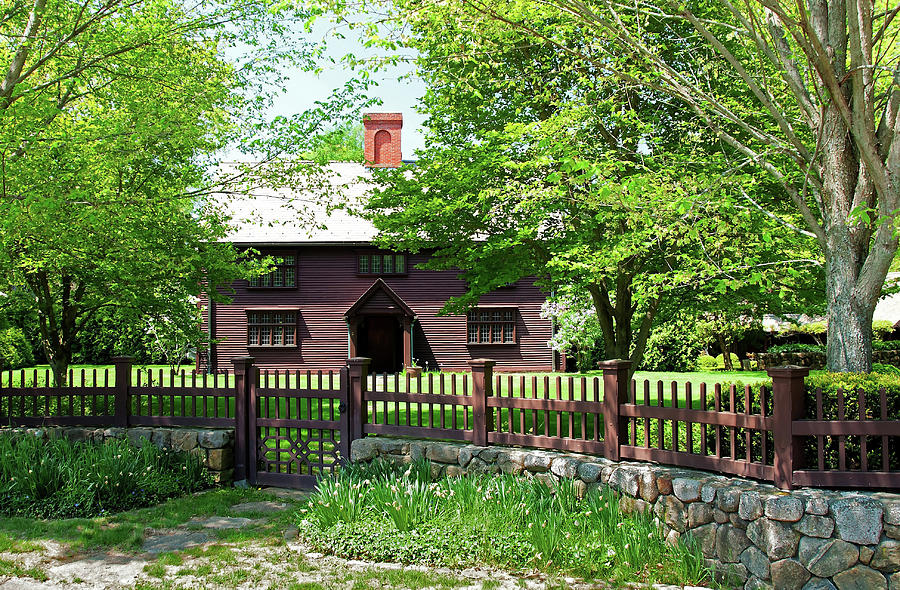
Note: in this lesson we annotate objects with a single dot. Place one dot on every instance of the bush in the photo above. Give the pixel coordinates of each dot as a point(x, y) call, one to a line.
point(886, 345)
point(501, 520)
point(796, 347)
point(706, 363)
point(15, 349)
point(58, 478)
point(672, 346)
point(883, 369)
point(882, 328)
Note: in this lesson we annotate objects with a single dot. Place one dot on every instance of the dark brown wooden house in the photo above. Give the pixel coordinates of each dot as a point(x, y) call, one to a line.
point(335, 295)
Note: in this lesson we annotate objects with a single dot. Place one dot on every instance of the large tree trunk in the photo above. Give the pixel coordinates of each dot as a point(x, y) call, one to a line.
point(616, 322)
point(725, 347)
point(850, 309)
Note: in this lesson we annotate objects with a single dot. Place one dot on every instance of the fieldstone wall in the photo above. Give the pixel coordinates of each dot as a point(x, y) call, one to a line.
point(814, 360)
point(807, 539)
point(214, 445)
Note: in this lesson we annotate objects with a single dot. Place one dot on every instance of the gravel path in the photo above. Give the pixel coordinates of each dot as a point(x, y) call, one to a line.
point(193, 556)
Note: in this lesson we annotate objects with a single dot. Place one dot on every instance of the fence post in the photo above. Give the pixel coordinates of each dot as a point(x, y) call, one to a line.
point(243, 382)
point(358, 370)
point(788, 404)
point(482, 387)
point(122, 366)
point(615, 392)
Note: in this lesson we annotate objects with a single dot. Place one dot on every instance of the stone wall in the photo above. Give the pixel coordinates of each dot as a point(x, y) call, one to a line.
point(214, 445)
point(806, 539)
point(814, 360)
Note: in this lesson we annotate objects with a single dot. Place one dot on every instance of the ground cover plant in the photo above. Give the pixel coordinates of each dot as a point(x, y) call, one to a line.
point(377, 512)
point(59, 478)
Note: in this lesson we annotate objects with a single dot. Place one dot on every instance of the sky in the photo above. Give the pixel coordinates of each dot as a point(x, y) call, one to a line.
point(304, 88)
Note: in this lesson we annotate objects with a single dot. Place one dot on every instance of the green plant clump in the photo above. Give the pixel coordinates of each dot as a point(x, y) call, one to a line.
point(58, 478)
point(706, 362)
point(377, 513)
point(796, 347)
point(15, 350)
point(886, 344)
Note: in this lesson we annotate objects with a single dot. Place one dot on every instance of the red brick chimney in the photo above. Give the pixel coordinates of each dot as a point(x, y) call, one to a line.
point(381, 140)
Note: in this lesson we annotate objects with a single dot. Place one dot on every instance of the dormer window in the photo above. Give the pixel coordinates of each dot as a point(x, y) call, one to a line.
point(381, 263)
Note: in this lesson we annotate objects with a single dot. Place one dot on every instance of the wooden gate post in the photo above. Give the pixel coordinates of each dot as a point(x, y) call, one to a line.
point(615, 392)
point(358, 369)
point(788, 404)
point(122, 366)
point(482, 387)
point(243, 382)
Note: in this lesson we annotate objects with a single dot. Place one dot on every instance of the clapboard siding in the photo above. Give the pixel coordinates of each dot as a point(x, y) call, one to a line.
point(328, 285)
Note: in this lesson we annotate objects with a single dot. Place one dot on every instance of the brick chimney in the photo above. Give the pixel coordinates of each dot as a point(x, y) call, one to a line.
point(381, 140)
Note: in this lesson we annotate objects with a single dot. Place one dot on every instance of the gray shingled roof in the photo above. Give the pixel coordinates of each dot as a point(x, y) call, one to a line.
point(298, 216)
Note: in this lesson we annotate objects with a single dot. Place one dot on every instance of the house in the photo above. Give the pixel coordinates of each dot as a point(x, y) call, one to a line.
point(334, 295)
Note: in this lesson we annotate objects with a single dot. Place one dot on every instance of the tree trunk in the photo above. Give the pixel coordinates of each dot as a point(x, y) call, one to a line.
point(726, 352)
point(849, 343)
point(59, 364)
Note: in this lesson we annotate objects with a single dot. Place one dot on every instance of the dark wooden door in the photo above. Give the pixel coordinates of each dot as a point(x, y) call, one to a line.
point(382, 342)
point(299, 427)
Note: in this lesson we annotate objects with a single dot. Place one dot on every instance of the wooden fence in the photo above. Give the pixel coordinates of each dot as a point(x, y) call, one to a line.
point(767, 433)
point(781, 434)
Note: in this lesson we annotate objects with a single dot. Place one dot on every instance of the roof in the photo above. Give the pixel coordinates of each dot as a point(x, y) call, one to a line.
point(379, 286)
point(302, 216)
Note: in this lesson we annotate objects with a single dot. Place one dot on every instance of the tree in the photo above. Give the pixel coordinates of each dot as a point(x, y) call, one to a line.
point(344, 143)
point(537, 165)
point(113, 117)
point(818, 114)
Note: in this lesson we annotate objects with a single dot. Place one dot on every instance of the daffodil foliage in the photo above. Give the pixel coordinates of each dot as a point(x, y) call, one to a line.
point(540, 164)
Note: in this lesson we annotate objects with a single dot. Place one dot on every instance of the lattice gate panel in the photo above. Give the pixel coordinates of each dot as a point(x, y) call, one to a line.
point(299, 426)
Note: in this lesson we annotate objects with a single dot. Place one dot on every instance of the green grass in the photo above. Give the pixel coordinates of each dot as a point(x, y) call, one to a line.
point(125, 531)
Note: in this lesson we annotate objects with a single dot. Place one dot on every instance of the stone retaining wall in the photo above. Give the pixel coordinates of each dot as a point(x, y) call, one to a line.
point(814, 360)
point(214, 445)
point(806, 539)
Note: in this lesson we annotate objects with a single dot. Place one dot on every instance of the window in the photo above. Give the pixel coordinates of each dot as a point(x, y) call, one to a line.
point(492, 326)
point(271, 328)
point(283, 275)
point(381, 263)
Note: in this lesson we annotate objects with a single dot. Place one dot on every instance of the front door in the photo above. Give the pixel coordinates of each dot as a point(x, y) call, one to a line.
point(381, 339)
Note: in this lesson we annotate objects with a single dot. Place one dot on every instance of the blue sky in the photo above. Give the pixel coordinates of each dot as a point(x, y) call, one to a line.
point(397, 95)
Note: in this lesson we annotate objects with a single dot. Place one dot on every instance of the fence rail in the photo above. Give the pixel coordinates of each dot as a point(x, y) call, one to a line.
point(781, 434)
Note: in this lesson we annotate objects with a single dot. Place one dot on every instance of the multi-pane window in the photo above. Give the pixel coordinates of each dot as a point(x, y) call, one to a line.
point(492, 326)
point(271, 328)
point(283, 275)
point(381, 264)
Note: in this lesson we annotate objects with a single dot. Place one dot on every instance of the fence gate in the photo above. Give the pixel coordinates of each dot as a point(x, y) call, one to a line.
point(298, 427)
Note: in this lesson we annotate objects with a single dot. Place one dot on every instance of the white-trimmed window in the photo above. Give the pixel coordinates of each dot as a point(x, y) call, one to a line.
point(491, 325)
point(271, 328)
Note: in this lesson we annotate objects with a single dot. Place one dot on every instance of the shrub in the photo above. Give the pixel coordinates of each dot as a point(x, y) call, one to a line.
point(796, 347)
point(882, 328)
point(706, 362)
point(501, 520)
point(886, 345)
point(58, 478)
point(15, 350)
point(673, 346)
point(883, 369)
